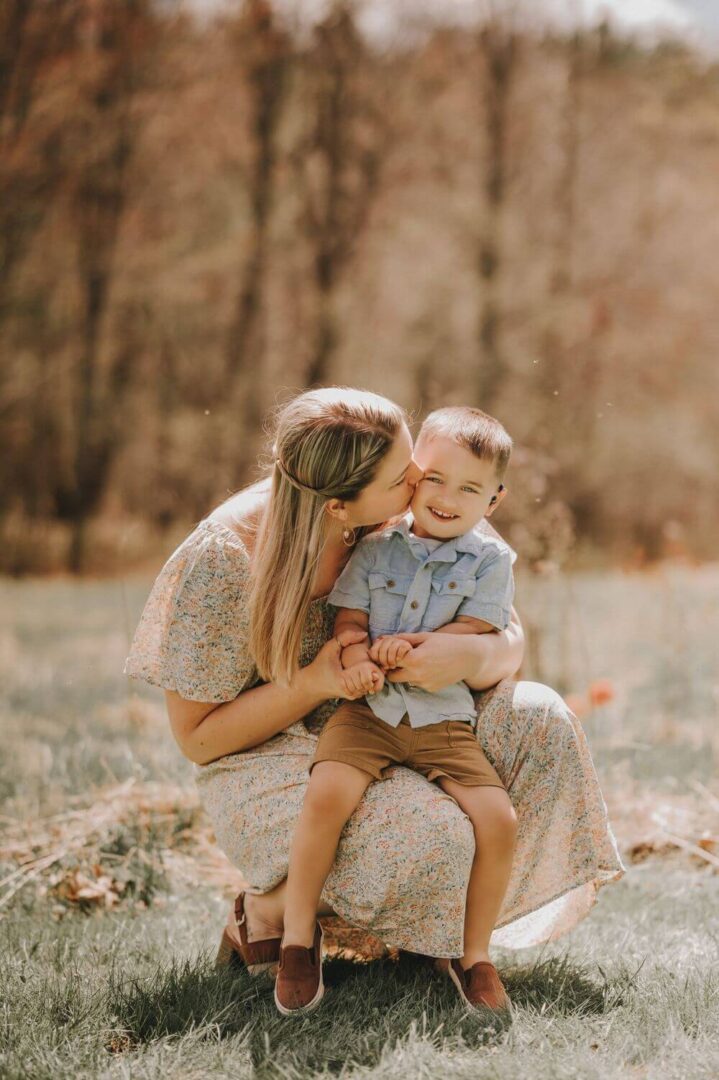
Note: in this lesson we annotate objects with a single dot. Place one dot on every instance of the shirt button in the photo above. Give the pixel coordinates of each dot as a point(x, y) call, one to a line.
point(414, 605)
point(453, 584)
point(391, 583)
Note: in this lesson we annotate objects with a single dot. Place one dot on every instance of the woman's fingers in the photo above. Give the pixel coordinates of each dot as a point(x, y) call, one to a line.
point(416, 639)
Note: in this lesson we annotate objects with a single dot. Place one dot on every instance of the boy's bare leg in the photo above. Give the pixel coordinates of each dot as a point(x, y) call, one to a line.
point(333, 794)
point(495, 829)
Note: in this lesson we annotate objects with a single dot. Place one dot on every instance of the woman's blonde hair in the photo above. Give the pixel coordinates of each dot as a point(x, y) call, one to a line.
point(328, 445)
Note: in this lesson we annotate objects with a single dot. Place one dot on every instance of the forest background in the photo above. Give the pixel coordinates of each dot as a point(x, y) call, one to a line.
point(202, 216)
point(204, 211)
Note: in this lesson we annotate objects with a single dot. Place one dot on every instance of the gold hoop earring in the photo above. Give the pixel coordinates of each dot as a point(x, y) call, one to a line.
point(349, 537)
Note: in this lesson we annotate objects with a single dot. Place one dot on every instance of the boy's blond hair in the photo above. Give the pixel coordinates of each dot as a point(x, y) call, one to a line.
point(473, 429)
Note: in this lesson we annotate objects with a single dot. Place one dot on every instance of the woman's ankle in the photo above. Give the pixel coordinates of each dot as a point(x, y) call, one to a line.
point(264, 916)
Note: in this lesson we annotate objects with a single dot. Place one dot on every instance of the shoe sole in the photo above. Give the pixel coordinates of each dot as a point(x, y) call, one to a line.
point(310, 1004)
point(229, 957)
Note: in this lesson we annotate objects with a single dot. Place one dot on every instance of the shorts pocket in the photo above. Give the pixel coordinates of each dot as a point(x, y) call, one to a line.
point(347, 718)
point(460, 733)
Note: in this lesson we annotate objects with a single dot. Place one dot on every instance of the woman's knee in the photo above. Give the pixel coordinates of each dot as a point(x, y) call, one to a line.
point(534, 704)
point(447, 824)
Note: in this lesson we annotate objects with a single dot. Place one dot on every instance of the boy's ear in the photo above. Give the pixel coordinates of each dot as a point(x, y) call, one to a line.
point(336, 509)
point(496, 500)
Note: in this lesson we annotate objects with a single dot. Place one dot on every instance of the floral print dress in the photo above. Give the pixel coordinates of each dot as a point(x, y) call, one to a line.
point(404, 858)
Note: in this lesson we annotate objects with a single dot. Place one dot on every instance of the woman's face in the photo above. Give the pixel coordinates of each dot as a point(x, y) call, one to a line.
point(390, 492)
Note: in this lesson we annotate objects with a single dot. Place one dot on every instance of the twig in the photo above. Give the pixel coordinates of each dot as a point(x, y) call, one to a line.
point(694, 849)
point(40, 865)
point(698, 786)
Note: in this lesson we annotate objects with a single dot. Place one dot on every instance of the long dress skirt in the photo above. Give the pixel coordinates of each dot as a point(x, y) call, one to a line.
point(404, 857)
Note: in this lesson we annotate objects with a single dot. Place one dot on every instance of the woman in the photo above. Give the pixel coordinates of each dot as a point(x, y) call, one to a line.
point(238, 633)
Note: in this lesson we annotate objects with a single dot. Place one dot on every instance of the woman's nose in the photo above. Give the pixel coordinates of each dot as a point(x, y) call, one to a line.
point(414, 474)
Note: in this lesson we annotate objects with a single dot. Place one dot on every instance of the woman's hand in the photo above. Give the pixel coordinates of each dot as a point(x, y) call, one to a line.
point(325, 673)
point(436, 661)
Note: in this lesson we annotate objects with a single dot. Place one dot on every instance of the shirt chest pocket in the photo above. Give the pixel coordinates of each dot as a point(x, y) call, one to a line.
point(388, 595)
point(446, 596)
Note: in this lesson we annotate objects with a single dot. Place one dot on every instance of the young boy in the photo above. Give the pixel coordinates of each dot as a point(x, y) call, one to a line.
point(436, 572)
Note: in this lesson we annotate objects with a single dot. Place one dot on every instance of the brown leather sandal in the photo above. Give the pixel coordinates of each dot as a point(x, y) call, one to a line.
point(256, 956)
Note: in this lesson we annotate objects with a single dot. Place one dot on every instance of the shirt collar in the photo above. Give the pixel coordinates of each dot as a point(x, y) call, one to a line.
point(471, 542)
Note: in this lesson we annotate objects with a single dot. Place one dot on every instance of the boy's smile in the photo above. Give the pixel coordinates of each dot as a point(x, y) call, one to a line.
point(456, 490)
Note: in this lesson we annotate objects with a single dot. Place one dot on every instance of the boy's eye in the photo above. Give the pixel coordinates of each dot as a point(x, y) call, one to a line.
point(472, 491)
point(433, 479)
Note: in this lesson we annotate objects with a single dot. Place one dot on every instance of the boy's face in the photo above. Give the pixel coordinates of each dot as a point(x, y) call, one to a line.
point(456, 490)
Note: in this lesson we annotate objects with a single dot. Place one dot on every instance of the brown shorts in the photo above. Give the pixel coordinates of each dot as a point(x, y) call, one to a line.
point(449, 748)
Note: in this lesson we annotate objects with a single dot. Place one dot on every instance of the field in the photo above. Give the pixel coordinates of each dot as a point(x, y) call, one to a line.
point(112, 893)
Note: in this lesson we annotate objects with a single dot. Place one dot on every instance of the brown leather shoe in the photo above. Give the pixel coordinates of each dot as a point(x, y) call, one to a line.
point(235, 949)
point(299, 987)
point(480, 987)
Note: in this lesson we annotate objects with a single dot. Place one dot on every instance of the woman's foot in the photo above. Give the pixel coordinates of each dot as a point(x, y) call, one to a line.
point(249, 937)
point(264, 917)
point(479, 986)
point(299, 987)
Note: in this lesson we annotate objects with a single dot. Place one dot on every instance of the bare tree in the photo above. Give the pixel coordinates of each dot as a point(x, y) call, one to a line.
point(113, 49)
point(339, 165)
point(264, 53)
point(31, 35)
point(498, 48)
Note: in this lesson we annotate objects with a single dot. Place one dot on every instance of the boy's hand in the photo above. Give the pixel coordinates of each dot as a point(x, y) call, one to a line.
point(389, 652)
point(363, 678)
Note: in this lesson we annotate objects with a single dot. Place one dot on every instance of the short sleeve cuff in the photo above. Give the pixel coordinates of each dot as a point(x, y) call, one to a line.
point(491, 613)
point(339, 598)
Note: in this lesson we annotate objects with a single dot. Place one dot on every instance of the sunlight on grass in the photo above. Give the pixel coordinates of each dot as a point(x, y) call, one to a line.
point(106, 953)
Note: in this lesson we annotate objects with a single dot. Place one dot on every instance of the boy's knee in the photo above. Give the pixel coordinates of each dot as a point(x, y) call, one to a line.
point(326, 797)
point(497, 824)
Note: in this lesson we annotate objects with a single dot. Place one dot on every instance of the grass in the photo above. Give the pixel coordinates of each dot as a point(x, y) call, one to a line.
point(128, 990)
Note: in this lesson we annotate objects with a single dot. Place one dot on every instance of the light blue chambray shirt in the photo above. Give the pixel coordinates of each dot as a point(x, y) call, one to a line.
point(404, 588)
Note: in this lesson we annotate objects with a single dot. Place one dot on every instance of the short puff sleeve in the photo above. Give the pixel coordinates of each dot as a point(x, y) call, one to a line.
point(194, 629)
point(494, 592)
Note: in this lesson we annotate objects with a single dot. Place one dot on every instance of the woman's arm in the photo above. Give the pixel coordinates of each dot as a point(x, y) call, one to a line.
point(498, 656)
point(480, 660)
point(205, 731)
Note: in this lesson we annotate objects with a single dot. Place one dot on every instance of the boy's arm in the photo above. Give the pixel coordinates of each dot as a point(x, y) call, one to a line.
point(391, 650)
point(465, 624)
point(353, 619)
point(351, 597)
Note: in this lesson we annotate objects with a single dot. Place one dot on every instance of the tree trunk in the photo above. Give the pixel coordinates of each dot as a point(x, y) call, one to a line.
point(498, 47)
